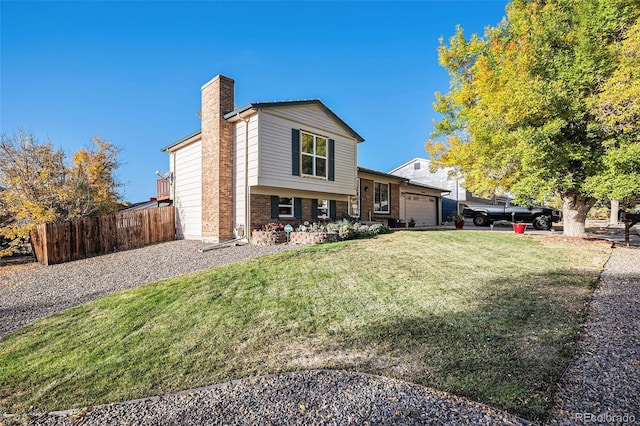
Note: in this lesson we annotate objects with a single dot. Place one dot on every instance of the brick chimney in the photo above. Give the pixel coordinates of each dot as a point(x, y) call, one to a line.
point(217, 159)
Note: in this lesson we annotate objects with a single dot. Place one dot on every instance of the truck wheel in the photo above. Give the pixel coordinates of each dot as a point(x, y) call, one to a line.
point(480, 220)
point(541, 223)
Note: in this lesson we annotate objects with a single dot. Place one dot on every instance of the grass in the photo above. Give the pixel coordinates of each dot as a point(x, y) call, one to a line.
point(491, 316)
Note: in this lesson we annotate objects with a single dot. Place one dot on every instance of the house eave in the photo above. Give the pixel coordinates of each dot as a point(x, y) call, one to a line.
point(401, 179)
point(280, 104)
point(420, 185)
point(183, 141)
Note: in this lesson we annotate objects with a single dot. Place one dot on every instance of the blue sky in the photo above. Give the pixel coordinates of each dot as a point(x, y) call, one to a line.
point(131, 72)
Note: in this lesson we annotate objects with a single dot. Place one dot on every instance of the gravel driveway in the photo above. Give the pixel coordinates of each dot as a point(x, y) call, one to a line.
point(603, 380)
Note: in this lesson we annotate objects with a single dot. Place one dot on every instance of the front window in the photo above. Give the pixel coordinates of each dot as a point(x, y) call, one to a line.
point(323, 209)
point(285, 207)
point(381, 199)
point(313, 155)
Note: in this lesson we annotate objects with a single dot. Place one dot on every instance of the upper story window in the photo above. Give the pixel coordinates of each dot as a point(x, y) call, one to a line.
point(313, 155)
point(416, 166)
point(381, 198)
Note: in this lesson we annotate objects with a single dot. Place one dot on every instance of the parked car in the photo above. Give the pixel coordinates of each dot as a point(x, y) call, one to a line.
point(541, 218)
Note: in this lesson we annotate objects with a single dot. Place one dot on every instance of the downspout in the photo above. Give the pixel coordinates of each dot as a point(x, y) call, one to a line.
point(457, 196)
point(247, 201)
point(172, 188)
point(173, 177)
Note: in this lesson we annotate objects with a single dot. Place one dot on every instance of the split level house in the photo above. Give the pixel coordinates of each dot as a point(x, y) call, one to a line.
point(285, 162)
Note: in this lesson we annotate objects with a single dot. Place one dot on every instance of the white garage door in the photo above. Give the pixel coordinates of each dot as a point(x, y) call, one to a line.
point(422, 208)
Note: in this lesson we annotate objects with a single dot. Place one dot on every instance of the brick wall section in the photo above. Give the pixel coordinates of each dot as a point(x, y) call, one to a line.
point(260, 211)
point(394, 193)
point(306, 210)
point(366, 199)
point(342, 208)
point(217, 159)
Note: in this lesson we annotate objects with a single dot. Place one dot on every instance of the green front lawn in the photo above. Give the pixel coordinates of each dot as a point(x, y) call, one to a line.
point(488, 315)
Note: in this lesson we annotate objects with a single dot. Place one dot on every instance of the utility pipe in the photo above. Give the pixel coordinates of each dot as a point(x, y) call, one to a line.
point(247, 202)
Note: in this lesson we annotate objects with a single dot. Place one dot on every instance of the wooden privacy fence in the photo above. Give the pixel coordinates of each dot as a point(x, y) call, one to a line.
point(61, 242)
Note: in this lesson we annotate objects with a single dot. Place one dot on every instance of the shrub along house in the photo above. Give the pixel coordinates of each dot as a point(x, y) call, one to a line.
point(285, 162)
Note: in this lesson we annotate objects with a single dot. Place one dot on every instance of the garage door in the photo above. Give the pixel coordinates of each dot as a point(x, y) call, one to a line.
point(422, 208)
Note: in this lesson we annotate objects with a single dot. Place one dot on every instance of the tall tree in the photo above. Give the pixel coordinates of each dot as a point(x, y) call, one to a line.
point(38, 186)
point(519, 115)
point(617, 109)
point(91, 186)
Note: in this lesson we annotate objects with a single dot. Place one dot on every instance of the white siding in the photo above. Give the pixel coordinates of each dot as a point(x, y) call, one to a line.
point(240, 147)
point(275, 150)
point(441, 178)
point(187, 165)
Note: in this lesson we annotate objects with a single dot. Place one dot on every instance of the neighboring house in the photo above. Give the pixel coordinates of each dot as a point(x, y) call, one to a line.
point(143, 205)
point(395, 200)
point(417, 170)
point(266, 162)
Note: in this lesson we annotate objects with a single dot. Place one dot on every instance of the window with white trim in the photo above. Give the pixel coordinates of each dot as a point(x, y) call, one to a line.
point(324, 209)
point(381, 198)
point(285, 207)
point(313, 155)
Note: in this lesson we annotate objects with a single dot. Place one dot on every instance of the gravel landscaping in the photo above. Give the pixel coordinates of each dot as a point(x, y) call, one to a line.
point(32, 292)
point(303, 398)
point(602, 384)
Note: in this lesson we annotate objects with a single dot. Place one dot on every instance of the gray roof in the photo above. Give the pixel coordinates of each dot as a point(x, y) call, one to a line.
point(179, 141)
point(406, 180)
point(278, 104)
point(264, 105)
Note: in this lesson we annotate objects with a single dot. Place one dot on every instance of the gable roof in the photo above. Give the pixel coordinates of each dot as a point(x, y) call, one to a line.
point(410, 162)
point(179, 141)
point(264, 105)
point(400, 178)
point(279, 104)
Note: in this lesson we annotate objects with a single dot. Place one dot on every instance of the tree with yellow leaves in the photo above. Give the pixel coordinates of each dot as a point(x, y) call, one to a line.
point(535, 105)
point(37, 186)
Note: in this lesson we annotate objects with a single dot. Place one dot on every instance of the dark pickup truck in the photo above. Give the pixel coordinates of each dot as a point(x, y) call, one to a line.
point(540, 217)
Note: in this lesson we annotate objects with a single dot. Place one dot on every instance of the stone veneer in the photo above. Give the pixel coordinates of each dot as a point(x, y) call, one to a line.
point(268, 238)
point(217, 159)
point(312, 237)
